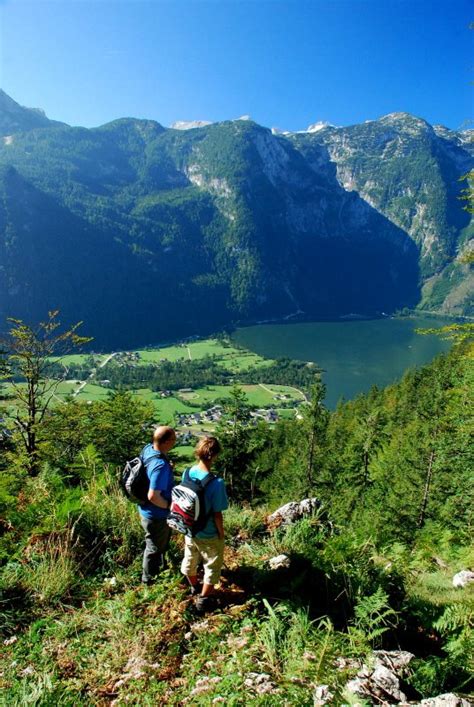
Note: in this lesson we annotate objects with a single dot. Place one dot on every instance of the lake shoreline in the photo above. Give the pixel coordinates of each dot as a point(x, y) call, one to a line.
point(353, 354)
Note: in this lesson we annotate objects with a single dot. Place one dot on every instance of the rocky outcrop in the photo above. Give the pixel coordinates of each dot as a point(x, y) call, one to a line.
point(449, 699)
point(293, 511)
point(380, 682)
point(322, 695)
point(463, 578)
point(15, 118)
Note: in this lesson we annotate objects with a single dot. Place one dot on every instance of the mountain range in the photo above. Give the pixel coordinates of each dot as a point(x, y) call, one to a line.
point(148, 233)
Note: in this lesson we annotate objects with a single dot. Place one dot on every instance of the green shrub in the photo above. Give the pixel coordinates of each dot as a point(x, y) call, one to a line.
point(303, 538)
point(109, 522)
point(428, 676)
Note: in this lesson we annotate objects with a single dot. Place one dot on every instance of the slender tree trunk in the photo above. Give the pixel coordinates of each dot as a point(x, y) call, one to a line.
point(31, 441)
point(366, 468)
point(309, 474)
point(424, 503)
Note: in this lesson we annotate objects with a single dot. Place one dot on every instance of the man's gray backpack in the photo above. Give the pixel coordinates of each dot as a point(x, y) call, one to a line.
point(134, 481)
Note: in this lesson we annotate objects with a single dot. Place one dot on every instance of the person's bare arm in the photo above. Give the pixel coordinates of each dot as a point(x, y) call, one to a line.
point(157, 499)
point(219, 521)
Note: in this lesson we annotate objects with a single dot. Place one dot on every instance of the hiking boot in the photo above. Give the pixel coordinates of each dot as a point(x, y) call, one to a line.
point(205, 604)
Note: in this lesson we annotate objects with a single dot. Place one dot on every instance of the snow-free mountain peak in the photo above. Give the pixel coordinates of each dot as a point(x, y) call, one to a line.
point(15, 118)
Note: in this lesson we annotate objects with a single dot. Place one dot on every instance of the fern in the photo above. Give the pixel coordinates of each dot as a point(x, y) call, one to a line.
point(374, 616)
point(457, 624)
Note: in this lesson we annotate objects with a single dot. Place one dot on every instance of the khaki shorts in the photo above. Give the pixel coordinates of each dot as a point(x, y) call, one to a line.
point(210, 552)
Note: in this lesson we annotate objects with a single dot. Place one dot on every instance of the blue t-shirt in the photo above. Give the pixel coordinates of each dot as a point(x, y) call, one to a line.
point(215, 497)
point(161, 479)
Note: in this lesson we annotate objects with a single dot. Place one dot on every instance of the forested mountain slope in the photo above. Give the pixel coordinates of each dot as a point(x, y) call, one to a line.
point(227, 222)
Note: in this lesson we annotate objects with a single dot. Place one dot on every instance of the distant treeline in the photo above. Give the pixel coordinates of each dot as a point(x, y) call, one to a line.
point(283, 371)
point(167, 375)
point(173, 375)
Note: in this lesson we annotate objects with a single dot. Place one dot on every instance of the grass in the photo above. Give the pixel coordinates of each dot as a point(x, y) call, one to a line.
point(101, 637)
point(437, 588)
point(170, 353)
point(257, 396)
point(167, 408)
point(91, 391)
point(74, 359)
point(49, 573)
point(233, 359)
point(144, 646)
point(243, 360)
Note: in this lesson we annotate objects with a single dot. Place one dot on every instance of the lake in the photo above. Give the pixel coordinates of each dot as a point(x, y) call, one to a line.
point(353, 354)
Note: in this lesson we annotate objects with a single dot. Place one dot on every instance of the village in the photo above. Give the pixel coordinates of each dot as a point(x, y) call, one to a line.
point(214, 414)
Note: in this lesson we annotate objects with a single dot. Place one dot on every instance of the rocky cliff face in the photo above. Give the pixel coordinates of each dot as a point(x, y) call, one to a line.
point(244, 223)
point(409, 171)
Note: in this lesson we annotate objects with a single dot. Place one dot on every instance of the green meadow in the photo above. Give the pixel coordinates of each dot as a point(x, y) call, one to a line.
point(279, 397)
point(232, 358)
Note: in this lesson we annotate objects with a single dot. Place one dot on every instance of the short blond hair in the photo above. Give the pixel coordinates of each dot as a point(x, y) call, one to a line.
point(207, 448)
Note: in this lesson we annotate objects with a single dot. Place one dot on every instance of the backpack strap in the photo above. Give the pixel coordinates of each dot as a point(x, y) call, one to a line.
point(207, 480)
point(203, 483)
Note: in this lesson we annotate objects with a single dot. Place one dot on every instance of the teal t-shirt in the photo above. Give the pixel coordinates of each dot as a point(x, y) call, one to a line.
point(215, 497)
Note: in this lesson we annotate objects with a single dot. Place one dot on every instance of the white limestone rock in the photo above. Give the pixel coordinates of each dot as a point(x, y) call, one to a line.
point(294, 510)
point(449, 699)
point(396, 661)
point(463, 578)
point(381, 684)
point(381, 680)
point(279, 562)
point(322, 696)
point(316, 127)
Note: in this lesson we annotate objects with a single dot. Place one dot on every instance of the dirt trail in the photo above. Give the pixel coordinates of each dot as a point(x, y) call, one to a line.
point(93, 373)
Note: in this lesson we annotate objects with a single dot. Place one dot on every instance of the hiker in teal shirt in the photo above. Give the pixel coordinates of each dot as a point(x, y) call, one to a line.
point(207, 547)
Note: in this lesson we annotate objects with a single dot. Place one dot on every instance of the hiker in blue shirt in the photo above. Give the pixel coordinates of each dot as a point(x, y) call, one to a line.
point(207, 547)
point(154, 513)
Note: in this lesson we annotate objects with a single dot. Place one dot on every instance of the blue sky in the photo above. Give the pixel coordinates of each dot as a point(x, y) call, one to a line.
point(287, 63)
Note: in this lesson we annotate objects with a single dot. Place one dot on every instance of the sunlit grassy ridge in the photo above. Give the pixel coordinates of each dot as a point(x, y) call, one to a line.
point(89, 634)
